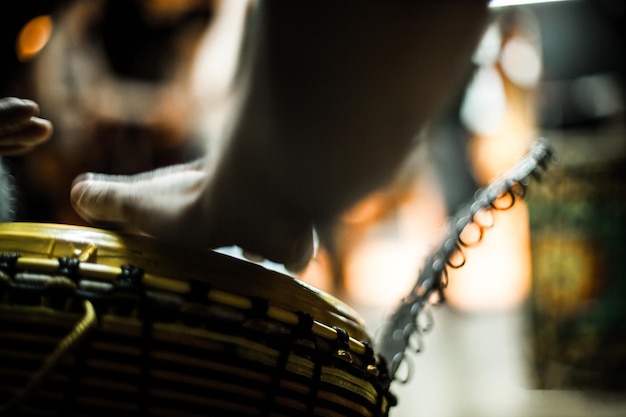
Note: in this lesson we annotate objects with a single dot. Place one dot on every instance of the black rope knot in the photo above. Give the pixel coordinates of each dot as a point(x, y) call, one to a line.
point(343, 345)
point(128, 288)
point(369, 356)
point(304, 326)
point(129, 279)
point(68, 267)
point(8, 261)
point(259, 308)
point(198, 291)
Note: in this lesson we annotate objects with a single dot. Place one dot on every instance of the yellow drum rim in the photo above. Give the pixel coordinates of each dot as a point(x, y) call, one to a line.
point(233, 280)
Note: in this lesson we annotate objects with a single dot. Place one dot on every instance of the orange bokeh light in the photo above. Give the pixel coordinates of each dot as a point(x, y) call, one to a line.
point(33, 37)
point(497, 274)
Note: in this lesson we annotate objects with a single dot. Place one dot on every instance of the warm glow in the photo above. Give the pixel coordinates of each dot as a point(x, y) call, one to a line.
point(158, 11)
point(494, 155)
point(366, 211)
point(382, 272)
point(318, 273)
point(497, 272)
point(33, 37)
point(174, 6)
point(382, 267)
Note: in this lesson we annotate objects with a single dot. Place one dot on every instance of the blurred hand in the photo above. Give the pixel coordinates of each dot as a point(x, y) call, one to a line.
point(20, 128)
point(301, 138)
point(185, 205)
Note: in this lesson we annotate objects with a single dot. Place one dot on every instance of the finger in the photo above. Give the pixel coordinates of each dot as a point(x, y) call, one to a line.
point(301, 254)
point(117, 200)
point(196, 165)
point(33, 133)
point(273, 238)
point(308, 252)
point(167, 204)
point(15, 113)
point(293, 254)
point(97, 201)
point(152, 204)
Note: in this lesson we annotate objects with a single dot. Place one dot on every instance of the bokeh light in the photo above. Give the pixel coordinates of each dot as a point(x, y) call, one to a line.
point(33, 37)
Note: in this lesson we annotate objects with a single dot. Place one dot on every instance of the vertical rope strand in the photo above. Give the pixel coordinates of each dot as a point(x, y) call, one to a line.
point(65, 347)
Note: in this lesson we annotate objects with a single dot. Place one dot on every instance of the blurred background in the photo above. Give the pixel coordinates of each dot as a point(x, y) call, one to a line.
point(535, 321)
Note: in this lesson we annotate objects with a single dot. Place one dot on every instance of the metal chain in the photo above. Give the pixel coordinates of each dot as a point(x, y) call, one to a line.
point(412, 318)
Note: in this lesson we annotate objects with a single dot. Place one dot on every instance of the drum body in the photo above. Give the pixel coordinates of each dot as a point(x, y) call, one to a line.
point(95, 323)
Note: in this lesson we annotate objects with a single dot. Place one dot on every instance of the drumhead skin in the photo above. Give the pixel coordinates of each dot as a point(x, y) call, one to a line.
point(104, 247)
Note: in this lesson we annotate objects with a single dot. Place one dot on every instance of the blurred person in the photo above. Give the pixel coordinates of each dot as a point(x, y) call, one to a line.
point(115, 79)
point(323, 105)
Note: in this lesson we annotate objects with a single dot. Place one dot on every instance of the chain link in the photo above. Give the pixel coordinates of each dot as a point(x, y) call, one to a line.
point(405, 328)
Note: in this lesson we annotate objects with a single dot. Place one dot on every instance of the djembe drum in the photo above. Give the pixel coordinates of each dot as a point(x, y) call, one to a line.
point(96, 323)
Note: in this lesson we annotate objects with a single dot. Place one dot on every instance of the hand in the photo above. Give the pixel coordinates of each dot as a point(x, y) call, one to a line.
point(20, 128)
point(185, 205)
point(299, 146)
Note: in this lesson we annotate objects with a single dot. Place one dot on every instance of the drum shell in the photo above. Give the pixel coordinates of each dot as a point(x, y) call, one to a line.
point(160, 352)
